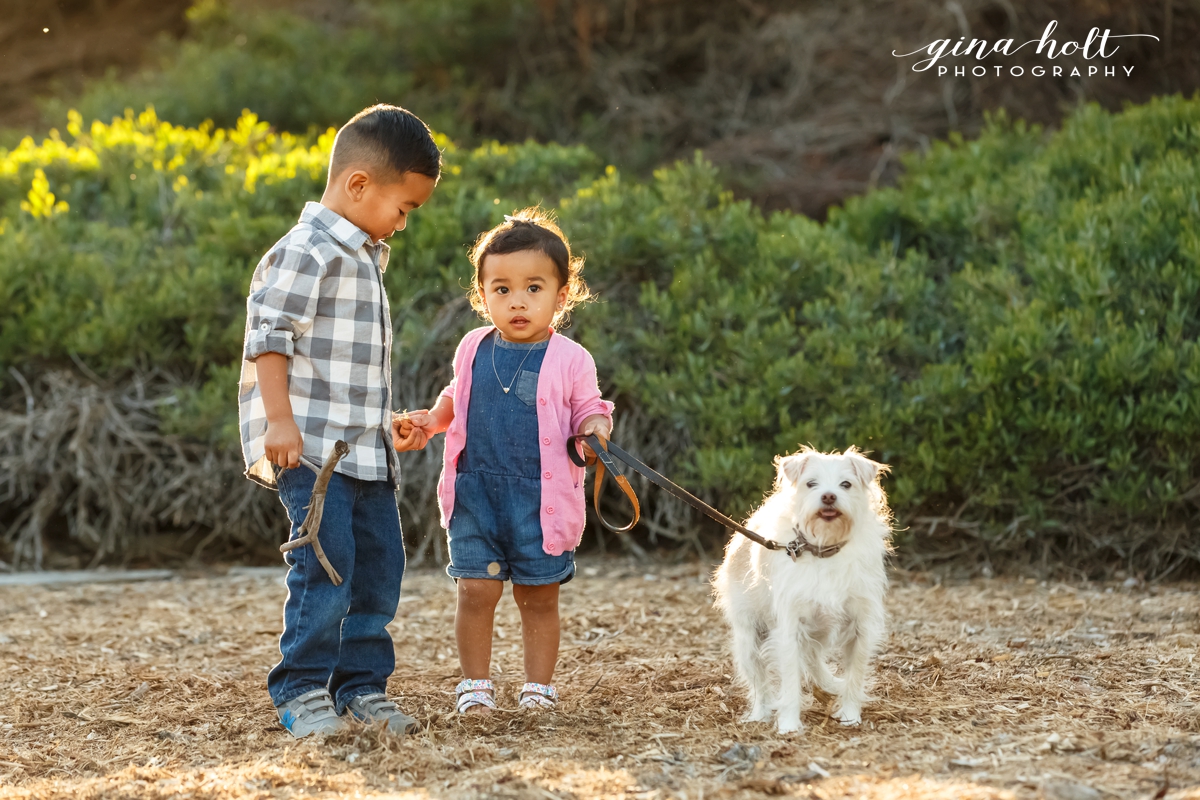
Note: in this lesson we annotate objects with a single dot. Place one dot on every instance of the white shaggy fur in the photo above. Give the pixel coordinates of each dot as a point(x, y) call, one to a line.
point(788, 618)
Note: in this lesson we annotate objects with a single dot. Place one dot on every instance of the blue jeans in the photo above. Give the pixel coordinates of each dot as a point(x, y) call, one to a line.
point(336, 636)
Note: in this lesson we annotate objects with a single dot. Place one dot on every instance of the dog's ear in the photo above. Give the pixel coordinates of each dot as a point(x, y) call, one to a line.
point(868, 471)
point(790, 468)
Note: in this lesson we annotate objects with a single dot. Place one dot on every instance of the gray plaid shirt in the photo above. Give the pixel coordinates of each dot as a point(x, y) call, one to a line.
point(317, 297)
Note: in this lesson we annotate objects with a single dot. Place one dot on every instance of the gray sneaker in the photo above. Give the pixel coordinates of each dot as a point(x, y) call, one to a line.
point(374, 707)
point(311, 712)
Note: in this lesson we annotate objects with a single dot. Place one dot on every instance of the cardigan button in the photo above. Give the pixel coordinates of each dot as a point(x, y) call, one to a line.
point(549, 509)
point(542, 400)
point(552, 549)
point(547, 475)
point(546, 440)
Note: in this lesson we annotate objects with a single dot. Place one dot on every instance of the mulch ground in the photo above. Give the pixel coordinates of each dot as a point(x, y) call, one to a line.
point(988, 689)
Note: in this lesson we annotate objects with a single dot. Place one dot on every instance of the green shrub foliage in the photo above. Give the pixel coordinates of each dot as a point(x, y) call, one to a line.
point(1013, 328)
point(299, 72)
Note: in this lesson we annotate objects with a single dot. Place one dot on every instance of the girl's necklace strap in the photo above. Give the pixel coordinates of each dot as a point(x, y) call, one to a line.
point(495, 344)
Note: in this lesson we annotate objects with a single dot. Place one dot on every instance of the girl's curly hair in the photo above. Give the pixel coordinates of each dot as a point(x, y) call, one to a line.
point(530, 229)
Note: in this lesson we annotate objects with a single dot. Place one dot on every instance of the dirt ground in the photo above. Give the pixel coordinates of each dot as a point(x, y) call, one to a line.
point(989, 689)
point(48, 46)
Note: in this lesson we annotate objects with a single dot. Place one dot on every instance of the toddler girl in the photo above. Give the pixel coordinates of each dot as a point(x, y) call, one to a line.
point(511, 500)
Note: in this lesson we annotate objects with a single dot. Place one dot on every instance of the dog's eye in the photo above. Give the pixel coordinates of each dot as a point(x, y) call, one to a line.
point(812, 484)
point(845, 484)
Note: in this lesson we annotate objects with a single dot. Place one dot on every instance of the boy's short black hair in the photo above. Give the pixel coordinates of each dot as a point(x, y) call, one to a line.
point(387, 140)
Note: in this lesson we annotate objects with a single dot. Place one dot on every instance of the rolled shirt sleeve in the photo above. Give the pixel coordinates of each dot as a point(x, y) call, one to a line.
point(282, 308)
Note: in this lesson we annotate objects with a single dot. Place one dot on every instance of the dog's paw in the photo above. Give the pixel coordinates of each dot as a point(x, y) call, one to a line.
point(786, 726)
point(850, 716)
point(756, 715)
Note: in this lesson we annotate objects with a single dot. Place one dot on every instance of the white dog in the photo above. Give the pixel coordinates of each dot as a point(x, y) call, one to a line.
point(788, 617)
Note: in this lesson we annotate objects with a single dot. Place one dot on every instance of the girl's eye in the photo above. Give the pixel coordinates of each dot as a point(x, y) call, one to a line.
point(534, 289)
point(845, 484)
point(812, 484)
point(502, 290)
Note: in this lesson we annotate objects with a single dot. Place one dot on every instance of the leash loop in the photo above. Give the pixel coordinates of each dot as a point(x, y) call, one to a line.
point(604, 464)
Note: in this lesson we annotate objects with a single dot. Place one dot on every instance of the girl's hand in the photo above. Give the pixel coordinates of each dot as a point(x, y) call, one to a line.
point(424, 421)
point(596, 425)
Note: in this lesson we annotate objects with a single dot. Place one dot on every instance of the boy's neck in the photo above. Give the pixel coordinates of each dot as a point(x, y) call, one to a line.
point(338, 204)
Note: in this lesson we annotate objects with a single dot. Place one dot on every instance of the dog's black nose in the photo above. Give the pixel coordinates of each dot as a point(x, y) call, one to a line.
point(829, 498)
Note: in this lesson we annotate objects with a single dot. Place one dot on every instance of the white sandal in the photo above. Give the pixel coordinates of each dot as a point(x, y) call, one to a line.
point(538, 696)
point(473, 693)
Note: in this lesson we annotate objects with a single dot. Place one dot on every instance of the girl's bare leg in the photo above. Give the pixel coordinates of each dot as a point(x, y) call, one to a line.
point(539, 629)
point(473, 620)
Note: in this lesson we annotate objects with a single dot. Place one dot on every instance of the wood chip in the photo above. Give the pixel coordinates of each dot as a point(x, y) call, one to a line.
point(192, 716)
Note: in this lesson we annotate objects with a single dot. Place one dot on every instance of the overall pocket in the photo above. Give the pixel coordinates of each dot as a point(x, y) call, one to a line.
point(527, 387)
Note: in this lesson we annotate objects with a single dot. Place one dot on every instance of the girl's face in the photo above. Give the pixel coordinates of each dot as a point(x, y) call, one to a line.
point(522, 293)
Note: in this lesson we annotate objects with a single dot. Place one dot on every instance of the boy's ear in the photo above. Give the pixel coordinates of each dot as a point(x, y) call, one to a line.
point(355, 183)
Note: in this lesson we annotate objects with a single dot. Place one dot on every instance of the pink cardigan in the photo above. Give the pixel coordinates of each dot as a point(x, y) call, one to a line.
point(568, 392)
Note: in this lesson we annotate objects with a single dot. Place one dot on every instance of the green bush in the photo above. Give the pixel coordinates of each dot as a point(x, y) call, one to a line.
point(1013, 328)
point(147, 267)
point(301, 73)
point(475, 69)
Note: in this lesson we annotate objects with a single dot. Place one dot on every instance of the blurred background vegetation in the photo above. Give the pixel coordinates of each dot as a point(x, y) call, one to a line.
point(1008, 316)
point(799, 102)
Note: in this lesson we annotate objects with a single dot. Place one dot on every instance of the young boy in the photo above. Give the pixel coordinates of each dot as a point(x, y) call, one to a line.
point(316, 369)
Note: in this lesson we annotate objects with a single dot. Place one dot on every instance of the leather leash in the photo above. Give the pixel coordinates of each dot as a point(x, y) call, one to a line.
point(606, 449)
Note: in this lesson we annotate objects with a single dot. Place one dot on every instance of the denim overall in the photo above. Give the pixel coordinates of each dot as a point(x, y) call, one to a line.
point(496, 530)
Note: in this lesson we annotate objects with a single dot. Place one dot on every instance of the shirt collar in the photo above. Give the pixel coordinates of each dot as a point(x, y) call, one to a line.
point(493, 328)
point(343, 230)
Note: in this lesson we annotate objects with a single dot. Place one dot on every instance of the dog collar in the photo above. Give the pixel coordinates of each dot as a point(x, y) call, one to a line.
point(799, 546)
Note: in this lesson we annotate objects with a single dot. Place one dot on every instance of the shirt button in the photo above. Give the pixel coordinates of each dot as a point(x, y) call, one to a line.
point(546, 440)
point(549, 509)
point(542, 400)
point(547, 475)
point(266, 326)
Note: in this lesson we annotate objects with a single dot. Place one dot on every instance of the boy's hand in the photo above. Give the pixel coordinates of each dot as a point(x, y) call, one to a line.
point(597, 425)
point(283, 443)
point(416, 440)
point(401, 425)
point(408, 431)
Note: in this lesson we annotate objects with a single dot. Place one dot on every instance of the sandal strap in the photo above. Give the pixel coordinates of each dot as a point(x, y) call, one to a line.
point(538, 695)
point(474, 685)
point(475, 692)
point(472, 699)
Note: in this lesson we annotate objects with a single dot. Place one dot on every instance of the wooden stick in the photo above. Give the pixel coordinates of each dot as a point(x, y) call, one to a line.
point(316, 509)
